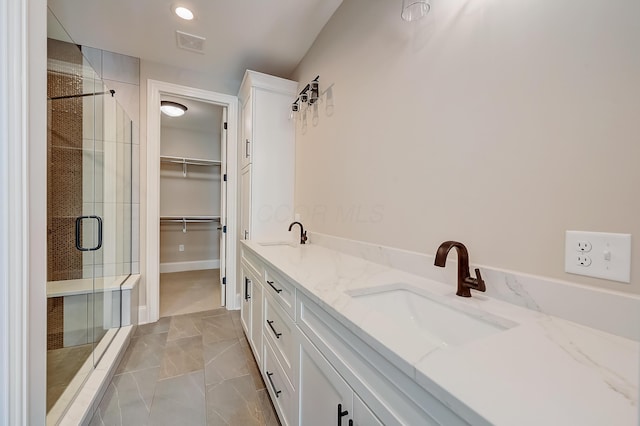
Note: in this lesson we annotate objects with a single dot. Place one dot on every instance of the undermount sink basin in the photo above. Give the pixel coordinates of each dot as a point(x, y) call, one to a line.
point(275, 243)
point(415, 312)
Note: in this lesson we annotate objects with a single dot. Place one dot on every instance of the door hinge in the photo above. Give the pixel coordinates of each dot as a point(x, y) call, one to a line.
point(224, 229)
point(225, 126)
point(224, 177)
point(224, 280)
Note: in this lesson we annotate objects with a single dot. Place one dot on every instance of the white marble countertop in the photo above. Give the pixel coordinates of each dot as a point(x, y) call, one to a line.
point(543, 370)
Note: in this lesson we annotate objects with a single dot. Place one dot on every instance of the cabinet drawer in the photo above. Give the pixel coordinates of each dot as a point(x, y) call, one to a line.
point(282, 291)
point(278, 330)
point(280, 390)
point(252, 263)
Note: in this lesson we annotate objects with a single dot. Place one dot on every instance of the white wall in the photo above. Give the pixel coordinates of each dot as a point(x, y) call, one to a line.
point(500, 124)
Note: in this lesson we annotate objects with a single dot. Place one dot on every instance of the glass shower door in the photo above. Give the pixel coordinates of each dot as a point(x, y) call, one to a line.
point(89, 151)
point(74, 225)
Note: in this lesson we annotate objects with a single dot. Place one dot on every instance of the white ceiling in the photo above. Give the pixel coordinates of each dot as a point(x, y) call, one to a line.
point(267, 36)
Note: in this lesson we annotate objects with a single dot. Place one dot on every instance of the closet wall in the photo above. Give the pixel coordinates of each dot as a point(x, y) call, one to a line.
point(196, 135)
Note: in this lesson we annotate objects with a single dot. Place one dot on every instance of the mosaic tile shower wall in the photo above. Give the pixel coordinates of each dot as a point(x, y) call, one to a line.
point(64, 175)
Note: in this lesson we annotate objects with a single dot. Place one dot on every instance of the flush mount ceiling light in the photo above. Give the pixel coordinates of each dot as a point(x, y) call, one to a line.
point(412, 10)
point(184, 13)
point(172, 109)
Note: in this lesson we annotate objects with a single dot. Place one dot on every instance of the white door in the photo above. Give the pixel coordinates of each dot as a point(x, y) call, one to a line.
point(223, 208)
point(324, 397)
point(245, 203)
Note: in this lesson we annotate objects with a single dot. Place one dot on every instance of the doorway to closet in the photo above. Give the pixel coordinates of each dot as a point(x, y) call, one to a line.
point(185, 187)
point(192, 207)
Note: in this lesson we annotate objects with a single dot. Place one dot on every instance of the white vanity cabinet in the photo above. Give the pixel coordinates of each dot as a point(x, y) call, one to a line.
point(324, 397)
point(315, 367)
point(391, 396)
point(267, 156)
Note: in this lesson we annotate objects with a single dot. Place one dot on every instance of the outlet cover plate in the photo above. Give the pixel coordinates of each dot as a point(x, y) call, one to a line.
point(610, 255)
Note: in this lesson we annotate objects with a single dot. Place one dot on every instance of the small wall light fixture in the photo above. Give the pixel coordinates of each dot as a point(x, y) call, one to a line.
point(310, 95)
point(172, 109)
point(412, 10)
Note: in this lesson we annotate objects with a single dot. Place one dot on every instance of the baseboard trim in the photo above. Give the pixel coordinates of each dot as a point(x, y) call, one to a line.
point(143, 315)
point(189, 266)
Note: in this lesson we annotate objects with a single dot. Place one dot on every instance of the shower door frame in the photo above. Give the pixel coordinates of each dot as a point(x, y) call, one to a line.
point(155, 89)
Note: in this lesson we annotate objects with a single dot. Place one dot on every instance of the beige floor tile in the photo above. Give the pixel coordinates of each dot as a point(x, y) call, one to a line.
point(182, 356)
point(62, 366)
point(188, 366)
point(189, 291)
point(234, 402)
point(224, 360)
point(218, 328)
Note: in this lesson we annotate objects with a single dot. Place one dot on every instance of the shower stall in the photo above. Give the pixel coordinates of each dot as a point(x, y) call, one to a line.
point(89, 153)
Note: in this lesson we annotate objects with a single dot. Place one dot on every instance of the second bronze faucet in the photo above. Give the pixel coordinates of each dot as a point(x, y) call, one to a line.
point(465, 281)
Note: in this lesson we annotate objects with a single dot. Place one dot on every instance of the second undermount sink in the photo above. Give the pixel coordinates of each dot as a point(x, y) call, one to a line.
point(275, 243)
point(415, 312)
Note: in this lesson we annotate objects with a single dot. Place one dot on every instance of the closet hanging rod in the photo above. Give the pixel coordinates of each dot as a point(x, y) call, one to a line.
point(193, 219)
point(190, 219)
point(190, 161)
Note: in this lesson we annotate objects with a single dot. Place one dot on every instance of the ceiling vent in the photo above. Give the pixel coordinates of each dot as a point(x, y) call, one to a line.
point(190, 42)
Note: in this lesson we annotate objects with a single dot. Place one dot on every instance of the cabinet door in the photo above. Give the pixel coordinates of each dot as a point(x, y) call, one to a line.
point(247, 133)
point(362, 415)
point(245, 308)
point(256, 320)
point(245, 204)
point(324, 397)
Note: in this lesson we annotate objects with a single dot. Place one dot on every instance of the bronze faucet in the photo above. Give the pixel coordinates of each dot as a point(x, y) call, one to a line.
point(303, 233)
point(465, 282)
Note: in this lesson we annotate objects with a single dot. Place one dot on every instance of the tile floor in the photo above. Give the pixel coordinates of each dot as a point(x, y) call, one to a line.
point(193, 369)
point(189, 291)
point(62, 366)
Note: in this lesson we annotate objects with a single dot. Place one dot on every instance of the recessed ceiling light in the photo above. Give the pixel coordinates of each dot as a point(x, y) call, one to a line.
point(172, 109)
point(184, 13)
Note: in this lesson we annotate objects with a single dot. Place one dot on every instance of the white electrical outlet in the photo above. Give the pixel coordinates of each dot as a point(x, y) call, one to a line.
point(181, 247)
point(583, 260)
point(598, 254)
point(584, 246)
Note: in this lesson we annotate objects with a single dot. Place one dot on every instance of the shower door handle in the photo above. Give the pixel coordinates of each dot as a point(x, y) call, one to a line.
point(79, 237)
